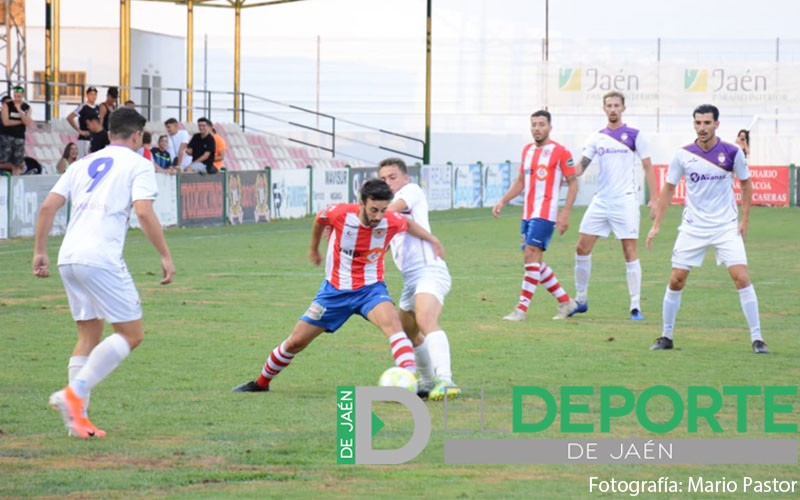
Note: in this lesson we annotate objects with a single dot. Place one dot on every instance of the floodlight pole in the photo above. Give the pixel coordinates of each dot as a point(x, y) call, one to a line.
point(189, 57)
point(426, 148)
point(237, 58)
point(124, 49)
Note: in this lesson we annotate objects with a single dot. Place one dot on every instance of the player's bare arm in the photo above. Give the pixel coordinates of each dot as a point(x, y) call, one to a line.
point(661, 210)
point(44, 223)
point(151, 227)
point(398, 205)
point(513, 191)
point(650, 178)
point(562, 221)
point(418, 231)
point(585, 162)
point(747, 195)
point(316, 236)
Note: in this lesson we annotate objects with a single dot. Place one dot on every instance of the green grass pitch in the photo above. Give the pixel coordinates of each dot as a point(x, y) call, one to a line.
point(175, 430)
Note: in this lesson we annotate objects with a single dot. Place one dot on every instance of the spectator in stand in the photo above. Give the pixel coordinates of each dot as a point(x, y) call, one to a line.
point(178, 141)
point(5, 168)
point(220, 148)
point(99, 136)
point(109, 105)
point(743, 141)
point(147, 140)
point(161, 157)
point(16, 117)
point(77, 119)
point(202, 148)
point(130, 104)
point(68, 157)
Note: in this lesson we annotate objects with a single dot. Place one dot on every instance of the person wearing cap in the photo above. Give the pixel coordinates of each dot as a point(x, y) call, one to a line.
point(77, 119)
point(16, 117)
point(109, 105)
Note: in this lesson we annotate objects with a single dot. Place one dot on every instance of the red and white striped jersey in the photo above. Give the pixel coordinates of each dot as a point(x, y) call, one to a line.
point(543, 169)
point(355, 251)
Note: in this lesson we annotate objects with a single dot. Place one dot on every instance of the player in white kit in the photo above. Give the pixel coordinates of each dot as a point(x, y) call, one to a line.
point(615, 205)
point(102, 187)
point(426, 282)
point(710, 220)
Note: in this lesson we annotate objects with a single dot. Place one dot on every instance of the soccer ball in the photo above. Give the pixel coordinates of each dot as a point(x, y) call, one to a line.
point(398, 377)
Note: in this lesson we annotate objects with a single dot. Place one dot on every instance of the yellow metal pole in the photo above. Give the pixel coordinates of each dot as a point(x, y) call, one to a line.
point(189, 57)
point(56, 44)
point(127, 91)
point(124, 49)
point(237, 61)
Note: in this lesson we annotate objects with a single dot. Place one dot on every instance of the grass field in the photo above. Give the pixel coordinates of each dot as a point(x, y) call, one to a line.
point(175, 430)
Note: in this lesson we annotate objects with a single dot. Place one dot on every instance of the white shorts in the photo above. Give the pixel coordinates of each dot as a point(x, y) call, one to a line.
point(434, 280)
point(620, 216)
point(97, 293)
point(690, 249)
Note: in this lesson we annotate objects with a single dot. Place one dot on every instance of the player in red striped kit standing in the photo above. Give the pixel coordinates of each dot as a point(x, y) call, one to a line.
point(360, 235)
point(544, 164)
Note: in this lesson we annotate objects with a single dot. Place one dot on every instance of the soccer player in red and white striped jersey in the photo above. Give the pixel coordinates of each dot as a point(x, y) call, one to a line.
point(360, 235)
point(545, 163)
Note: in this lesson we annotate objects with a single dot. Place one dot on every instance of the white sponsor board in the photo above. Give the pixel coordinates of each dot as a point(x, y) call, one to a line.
point(166, 204)
point(437, 183)
point(4, 181)
point(27, 194)
point(329, 185)
point(290, 193)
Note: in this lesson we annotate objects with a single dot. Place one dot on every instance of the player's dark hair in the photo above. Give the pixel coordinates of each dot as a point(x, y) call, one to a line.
point(123, 122)
point(545, 113)
point(397, 162)
point(614, 93)
point(376, 189)
point(706, 108)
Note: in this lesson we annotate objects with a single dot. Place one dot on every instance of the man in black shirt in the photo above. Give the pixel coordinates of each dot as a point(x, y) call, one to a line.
point(99, 136)
point(202, 148)
point(16, 116)
point(78, 120)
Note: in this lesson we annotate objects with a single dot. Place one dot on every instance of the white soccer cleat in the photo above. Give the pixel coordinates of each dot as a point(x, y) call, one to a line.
point(565, 309)
point(516, 315)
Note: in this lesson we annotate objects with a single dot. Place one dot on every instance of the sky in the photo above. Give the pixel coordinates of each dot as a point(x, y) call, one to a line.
point(498, 18)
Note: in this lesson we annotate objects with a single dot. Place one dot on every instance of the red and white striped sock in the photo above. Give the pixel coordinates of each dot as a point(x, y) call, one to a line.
point(278, 359)
point(403, 352)
point(529, 282)
point(551, 283)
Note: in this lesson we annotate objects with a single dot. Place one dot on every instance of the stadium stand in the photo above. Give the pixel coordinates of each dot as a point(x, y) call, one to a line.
point(246, 150)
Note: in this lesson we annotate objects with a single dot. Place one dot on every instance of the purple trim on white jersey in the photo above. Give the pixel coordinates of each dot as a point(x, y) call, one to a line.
point(721, 155)
point(625, 135)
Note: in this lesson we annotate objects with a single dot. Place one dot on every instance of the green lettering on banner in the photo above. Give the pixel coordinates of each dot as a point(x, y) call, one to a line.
point(345, 424)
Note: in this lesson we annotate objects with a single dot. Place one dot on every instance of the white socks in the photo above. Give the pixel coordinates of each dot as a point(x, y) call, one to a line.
point(439, 348)
point(634, 274)
point(423, 358)
point(101, 362)
point(583, 270)
point(749, 301)
point(672, 302)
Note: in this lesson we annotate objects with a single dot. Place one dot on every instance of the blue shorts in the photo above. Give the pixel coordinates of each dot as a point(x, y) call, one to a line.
point(537, 232)
point(331, 307)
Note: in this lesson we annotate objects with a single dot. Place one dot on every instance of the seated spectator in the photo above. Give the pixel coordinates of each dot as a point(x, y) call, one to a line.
point(177, 141)
point(99, 136)
point(221, 147)
point(130, 104)
point(68, 157)
point(202, 148)
point(161, 157)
